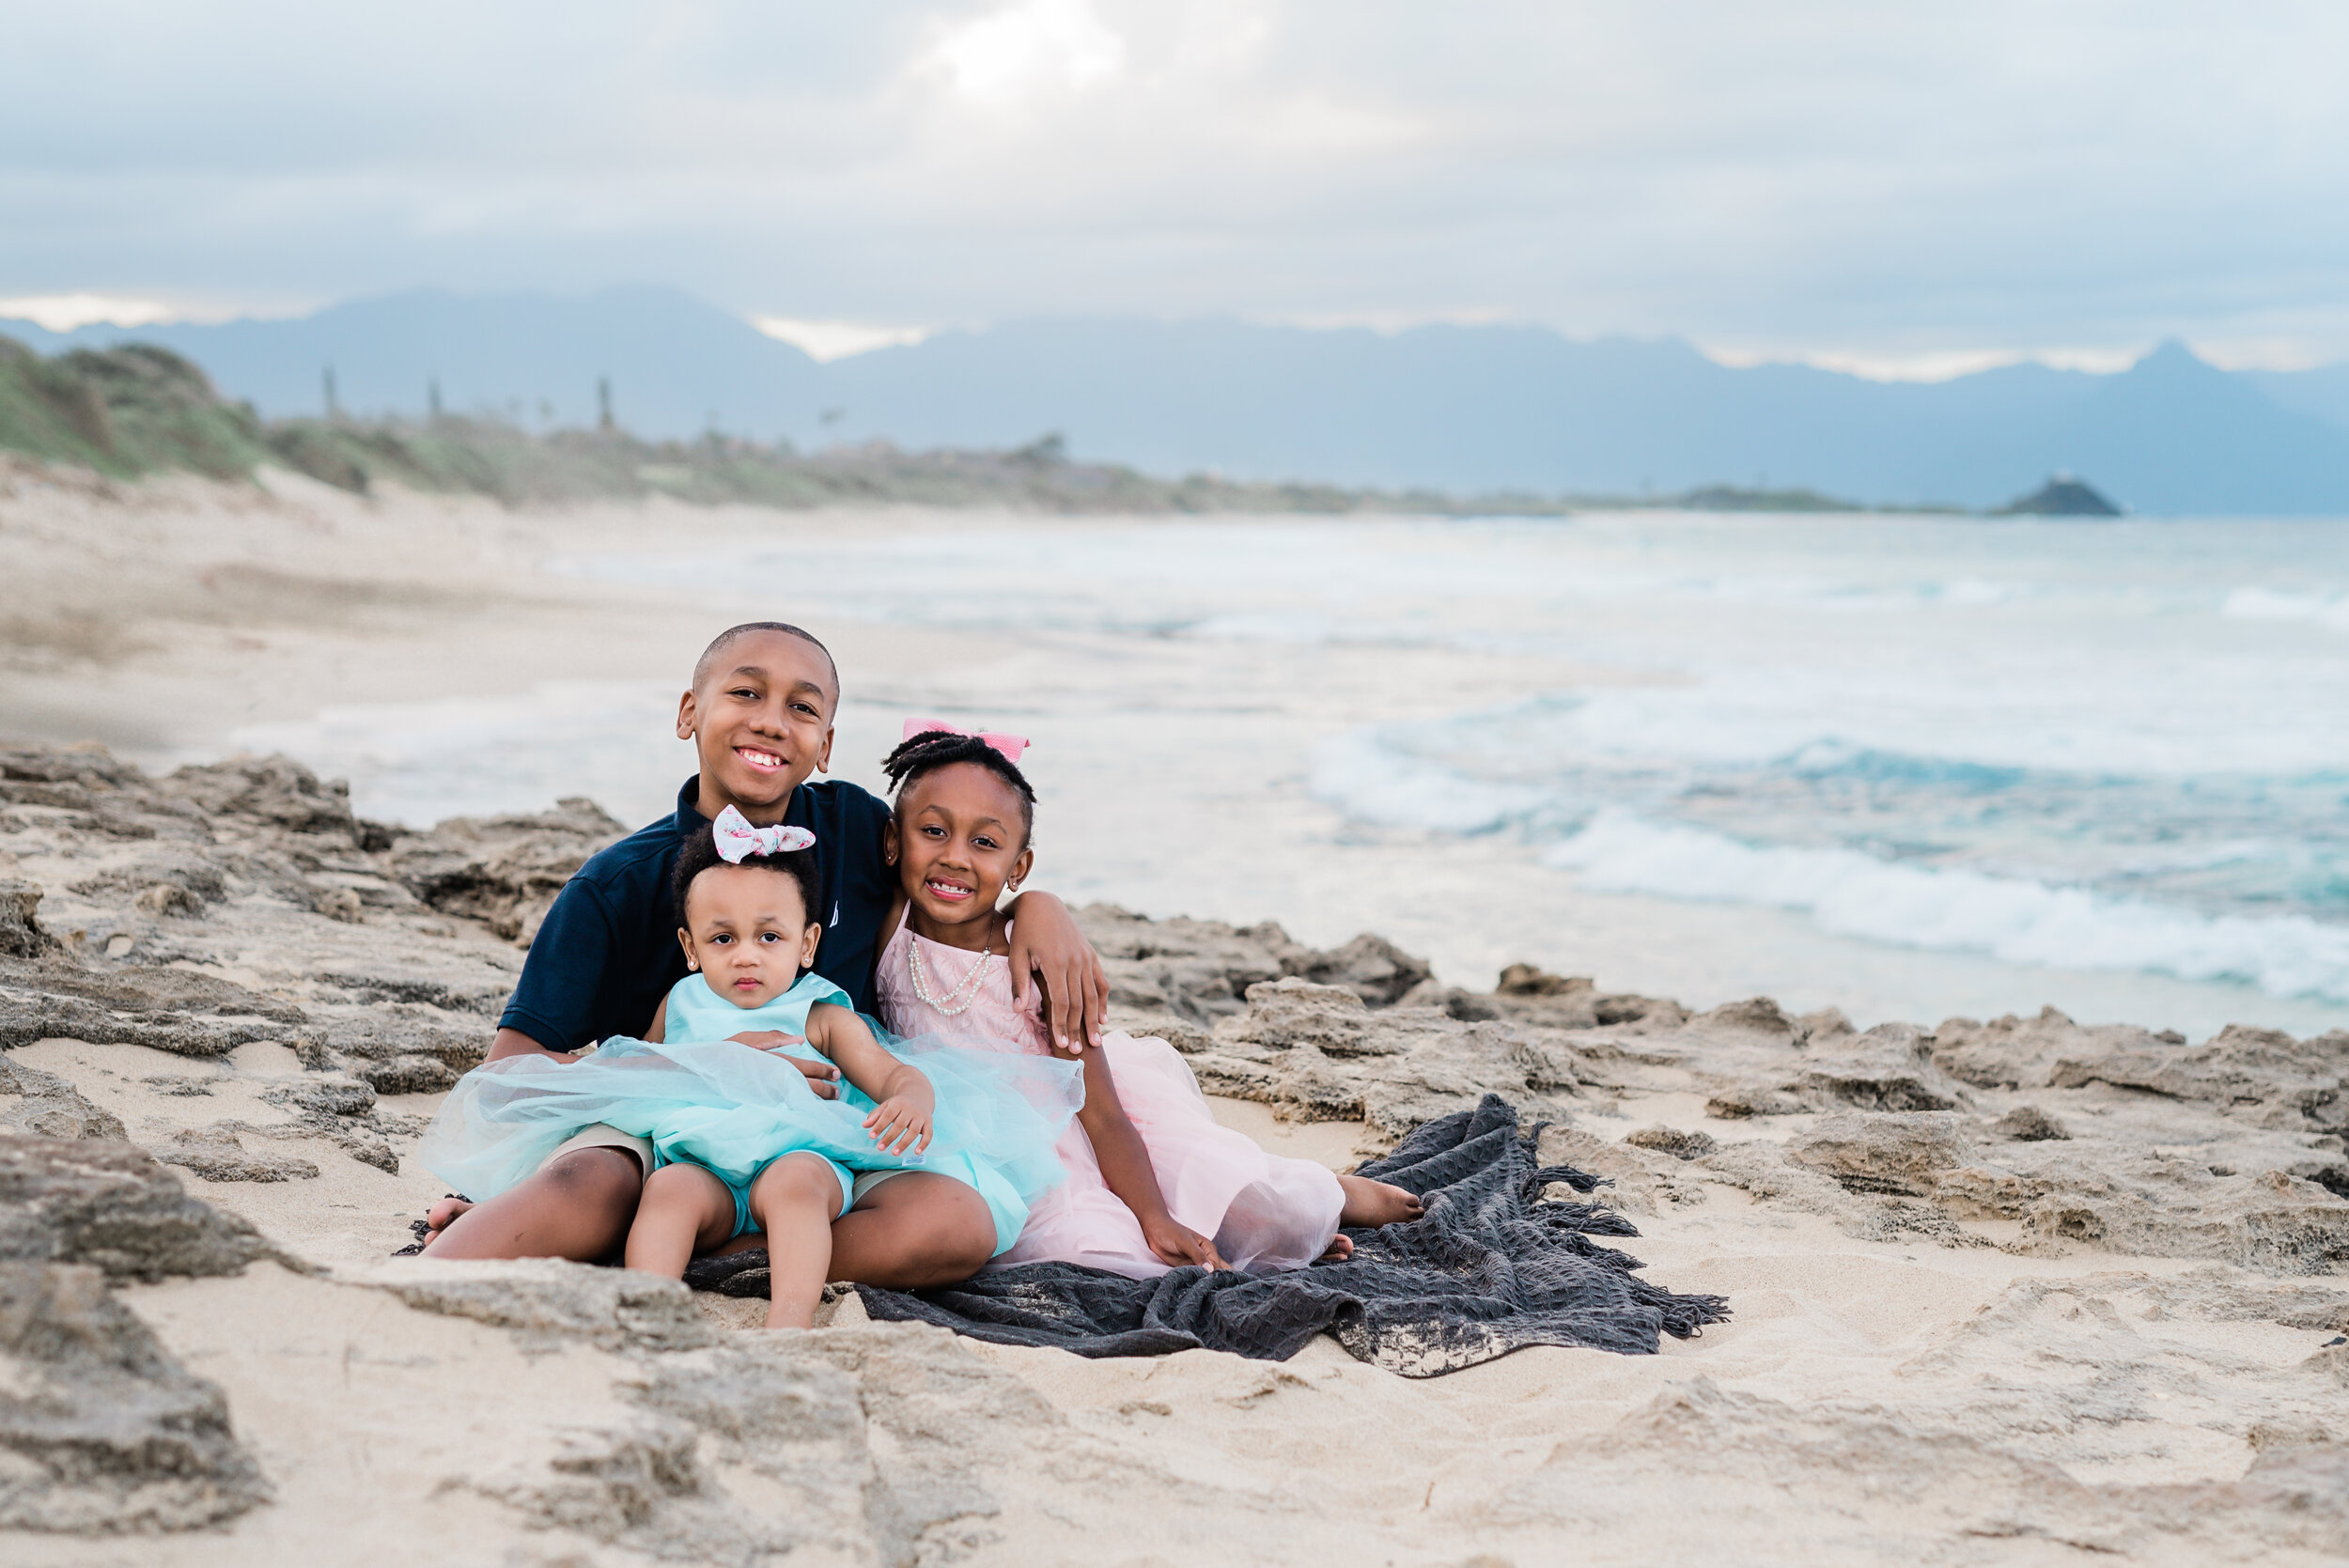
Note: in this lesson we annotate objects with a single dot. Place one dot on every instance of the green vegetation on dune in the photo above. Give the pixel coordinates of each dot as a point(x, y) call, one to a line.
point(124, 412)
point(138, 409)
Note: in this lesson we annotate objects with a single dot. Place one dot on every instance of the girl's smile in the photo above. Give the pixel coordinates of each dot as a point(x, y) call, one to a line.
point(962, 844)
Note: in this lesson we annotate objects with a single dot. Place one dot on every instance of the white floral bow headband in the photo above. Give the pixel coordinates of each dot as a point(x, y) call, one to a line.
point(738, 838)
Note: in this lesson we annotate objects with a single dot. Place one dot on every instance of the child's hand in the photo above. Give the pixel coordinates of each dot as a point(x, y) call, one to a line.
point(901, 1123)
point(1177, 1244)
point(822, 1077)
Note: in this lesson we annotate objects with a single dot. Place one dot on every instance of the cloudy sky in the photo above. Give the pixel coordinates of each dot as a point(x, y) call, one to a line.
point(1887, 184)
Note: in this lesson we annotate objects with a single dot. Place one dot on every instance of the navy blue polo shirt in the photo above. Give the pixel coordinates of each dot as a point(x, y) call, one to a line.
point(608, 952)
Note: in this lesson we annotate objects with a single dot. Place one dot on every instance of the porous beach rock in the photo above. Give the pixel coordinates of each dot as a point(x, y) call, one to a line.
point(2261, 1073)
point(276, 790)
point(548, 1300)
point(112, 1206)
point(2027, 1124)
point(1370, 966)
point(162, 1007)
point(1287, 1013)
point(1319, 1053)
point(503, 870)
point(1193, 970)
point(1679, 1142)
point(2015, 1052)
point(1878, 1152)
point(102, 1432)
point(215, 1154)
point(875, 1444)
point(1199, 971)
point(2132, 1199)
point(1889, 1067)
point(1640, 1177)
point(47, 1106)
point(21, 935)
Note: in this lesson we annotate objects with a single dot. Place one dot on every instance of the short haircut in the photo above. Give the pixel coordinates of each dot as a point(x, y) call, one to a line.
point(733, 634)
point(932, 749)
point(699, 853)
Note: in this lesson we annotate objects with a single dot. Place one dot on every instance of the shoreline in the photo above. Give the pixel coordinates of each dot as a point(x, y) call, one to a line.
point(179, 614)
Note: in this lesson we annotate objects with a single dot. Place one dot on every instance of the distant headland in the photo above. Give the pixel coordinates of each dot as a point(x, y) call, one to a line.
point(2063, 496)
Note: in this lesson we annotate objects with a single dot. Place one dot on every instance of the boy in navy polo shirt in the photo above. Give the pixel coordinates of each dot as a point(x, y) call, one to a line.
point(761, 715)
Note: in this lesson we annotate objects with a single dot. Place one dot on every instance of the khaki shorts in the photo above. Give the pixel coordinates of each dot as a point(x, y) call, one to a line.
point(604, 1136)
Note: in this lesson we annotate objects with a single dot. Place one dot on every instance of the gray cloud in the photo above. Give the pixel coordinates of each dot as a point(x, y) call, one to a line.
point(1807, 176)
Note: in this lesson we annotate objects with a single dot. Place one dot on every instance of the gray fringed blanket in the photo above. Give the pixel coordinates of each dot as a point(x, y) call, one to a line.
point(1491, 1268)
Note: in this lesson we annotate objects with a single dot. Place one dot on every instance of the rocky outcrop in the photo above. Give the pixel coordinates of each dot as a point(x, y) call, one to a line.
point(502, 871)
point(2261, 1074)
point(883, 1437)
point(215, 1154)
point(548, 1302)
point(47, 1106)
point(102, 1432)
point(161, 1007)
point(112, 1206)
point(1898, 1153)
point(137, 905)
point(1318, 1054)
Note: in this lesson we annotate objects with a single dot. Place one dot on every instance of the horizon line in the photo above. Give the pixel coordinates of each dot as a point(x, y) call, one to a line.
point(829, 339)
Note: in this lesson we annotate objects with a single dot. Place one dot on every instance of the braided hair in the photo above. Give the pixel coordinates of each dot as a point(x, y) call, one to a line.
point(932, 749)
point(699, 853)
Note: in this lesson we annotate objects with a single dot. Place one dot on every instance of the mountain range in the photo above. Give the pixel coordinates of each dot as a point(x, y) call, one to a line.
point(1456, 408)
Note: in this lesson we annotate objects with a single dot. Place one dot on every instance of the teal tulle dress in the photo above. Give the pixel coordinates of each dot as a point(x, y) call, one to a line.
point(732, 1109)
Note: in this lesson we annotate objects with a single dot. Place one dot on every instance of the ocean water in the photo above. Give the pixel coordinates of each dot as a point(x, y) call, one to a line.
point(2115, 748)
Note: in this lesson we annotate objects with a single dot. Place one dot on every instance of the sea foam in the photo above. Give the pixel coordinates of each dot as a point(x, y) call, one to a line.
point(2014, 919)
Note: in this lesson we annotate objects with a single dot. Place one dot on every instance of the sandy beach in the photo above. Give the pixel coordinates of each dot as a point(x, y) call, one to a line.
point(2004, 1290)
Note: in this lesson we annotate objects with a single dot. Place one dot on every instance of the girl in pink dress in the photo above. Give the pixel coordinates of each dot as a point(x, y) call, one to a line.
point(1153, 1181)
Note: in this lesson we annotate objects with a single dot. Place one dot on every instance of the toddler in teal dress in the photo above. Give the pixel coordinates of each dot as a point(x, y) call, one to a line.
point(741, 1141)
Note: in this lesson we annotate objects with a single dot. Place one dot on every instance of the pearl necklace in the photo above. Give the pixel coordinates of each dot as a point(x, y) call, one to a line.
point(959, 1001)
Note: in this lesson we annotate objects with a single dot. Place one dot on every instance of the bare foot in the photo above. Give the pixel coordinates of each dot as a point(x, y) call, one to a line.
point(1341, 1249)
point(1370, 1204)
point(440, 1216)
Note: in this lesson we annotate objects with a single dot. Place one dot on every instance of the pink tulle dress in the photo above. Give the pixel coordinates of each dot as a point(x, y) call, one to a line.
point(1264, 1211)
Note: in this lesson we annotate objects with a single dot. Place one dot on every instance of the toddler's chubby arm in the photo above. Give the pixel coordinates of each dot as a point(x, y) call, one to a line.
point(900, 1123)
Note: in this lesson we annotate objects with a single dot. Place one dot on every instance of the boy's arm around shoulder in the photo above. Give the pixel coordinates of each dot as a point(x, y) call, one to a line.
point(1045, 942)
point(900, 1121)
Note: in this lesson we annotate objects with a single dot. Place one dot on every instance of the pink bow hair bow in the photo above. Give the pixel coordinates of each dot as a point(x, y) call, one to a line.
point(737, 838)
point(1010, 745)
